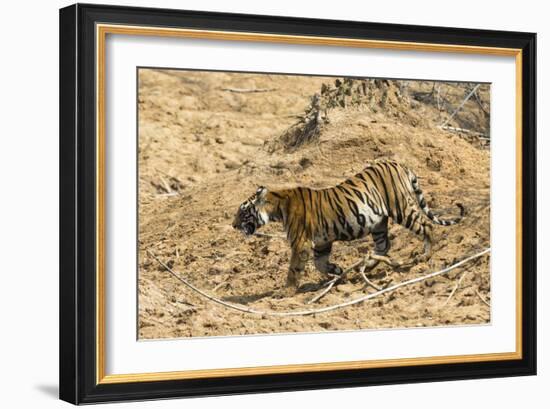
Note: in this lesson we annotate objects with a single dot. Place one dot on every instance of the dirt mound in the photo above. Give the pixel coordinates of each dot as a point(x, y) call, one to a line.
point(205, 144)
point(373, 95)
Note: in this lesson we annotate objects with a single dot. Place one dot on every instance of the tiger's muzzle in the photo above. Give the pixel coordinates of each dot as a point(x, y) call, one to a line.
point(245, 224)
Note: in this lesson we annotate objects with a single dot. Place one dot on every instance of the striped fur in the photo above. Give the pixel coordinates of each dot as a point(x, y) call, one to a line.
point(359, 206)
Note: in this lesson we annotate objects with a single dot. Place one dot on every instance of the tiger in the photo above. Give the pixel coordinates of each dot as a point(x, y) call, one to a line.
point(360, 205)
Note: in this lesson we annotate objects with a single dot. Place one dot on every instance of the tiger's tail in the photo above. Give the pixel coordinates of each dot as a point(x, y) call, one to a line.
point(424, 206)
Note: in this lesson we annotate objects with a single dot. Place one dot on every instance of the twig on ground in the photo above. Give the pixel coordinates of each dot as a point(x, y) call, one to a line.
point(336, 278)
point(478, 100)
point(462, 130)
point(165, 185)
point(482, 299)
point(455, 288)
point(277, 236)
point(248, 90)
point(369, 282)
point(387, 260)
point(461, 105)
point(328, 287)
point(319, 310)
point(171, 194)
point(168, 175)
point(374, 257)
point(220, 285)
point(292, 115)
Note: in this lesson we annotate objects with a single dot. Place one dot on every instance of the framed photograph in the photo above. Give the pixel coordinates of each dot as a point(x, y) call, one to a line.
point(258, 203)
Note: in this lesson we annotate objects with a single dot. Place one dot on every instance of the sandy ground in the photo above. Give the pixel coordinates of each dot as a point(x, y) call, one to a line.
point(203, 150)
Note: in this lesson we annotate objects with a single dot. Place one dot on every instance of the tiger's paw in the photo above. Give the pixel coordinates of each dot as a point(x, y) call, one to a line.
point(335, 270)
point(285, 292)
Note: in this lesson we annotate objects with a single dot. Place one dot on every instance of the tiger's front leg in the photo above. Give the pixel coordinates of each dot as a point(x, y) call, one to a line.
point(297, 265)
point(321, 256)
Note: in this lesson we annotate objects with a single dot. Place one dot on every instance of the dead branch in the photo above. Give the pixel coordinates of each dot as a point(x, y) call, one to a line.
point(171, 194)
point(462, 130)
point(307, 127)
point(478, 100)
point(483, 299)
point(328, 287)
point(248, 90)
point(333, 281)
point(292, 115)
point(374, 258)
point(457, 285)
point(272, 236)
point(404, 283)
point(319, 310)
point(369, 282)
point(220, 285)
point(461, 105)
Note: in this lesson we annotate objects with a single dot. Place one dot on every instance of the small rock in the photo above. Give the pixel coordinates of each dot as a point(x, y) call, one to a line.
point(252, 141)
point(278, 165)
point(345, 288)
point(305, 163)
point(215, 270)
point(434, 164)
point(231, 164)
point(427, 143)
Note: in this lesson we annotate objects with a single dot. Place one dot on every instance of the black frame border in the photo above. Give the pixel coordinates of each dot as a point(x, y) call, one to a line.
point(77, 252)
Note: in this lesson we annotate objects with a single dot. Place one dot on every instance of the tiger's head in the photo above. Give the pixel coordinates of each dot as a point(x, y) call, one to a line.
point(259, 209)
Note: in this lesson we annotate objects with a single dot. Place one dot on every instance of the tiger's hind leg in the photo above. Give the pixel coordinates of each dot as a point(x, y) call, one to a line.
point(421, 225)
point(382, 243)
point(321, 256)
point(428, 239)
point(380, 236)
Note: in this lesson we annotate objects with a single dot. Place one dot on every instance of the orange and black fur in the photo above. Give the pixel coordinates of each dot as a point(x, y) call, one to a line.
point(359, 206)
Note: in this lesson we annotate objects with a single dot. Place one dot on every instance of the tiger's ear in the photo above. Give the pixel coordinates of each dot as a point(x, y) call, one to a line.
point(261, 192)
